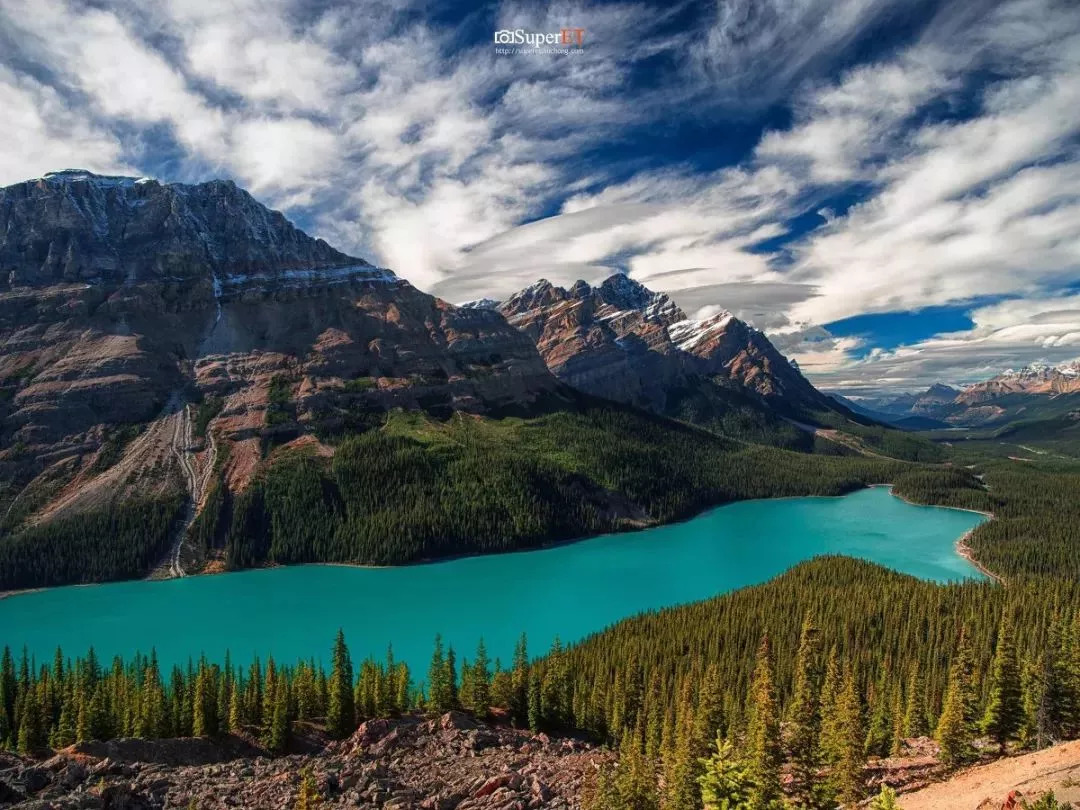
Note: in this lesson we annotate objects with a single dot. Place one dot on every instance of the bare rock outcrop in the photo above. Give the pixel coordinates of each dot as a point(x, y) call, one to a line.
point(411, 762)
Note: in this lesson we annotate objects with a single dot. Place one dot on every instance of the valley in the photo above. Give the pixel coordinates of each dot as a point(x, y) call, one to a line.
point(287, 612)
point(190, 385)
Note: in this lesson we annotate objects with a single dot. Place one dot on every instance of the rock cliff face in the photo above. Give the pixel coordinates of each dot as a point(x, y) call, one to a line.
point(128, 301)
point(622, 341)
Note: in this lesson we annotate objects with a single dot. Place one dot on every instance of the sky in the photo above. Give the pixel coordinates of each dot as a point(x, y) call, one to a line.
point(890, 189)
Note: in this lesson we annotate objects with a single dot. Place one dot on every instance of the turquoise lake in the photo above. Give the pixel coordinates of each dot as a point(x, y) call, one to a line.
point(570, 590)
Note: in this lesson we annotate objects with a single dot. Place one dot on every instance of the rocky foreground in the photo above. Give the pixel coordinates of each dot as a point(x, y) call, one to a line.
point(412, 762)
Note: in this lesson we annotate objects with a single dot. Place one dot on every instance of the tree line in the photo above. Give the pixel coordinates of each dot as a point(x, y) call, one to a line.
point(690, 736)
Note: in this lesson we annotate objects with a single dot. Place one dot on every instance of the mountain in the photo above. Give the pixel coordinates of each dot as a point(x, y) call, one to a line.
point(622, 341)
point(123, 301)
point(1036, 379)
point(1033, 392)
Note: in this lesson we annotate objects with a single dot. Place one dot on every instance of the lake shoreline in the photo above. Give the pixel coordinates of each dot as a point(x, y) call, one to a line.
point(961, 547)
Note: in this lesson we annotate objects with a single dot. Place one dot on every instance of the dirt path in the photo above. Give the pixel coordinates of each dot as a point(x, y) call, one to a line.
point(987, 786)
point(197, 475)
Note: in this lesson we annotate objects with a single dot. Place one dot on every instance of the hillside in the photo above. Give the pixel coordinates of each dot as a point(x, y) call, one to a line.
point(989, 787)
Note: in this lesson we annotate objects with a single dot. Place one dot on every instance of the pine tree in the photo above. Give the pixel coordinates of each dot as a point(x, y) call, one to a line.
point(915, 720)
point(680, 767)
point(519, 680)
point(879, 732)
point(896, 745)
point(1033, 688)
point(634, 784)
point(830, 743)
point(535, 708)
point(278, 733)
point(1004, 710)
point(340, 713)
point(307, 797)
point(763, 750)
point(804, 716)
point(1062, 708)
point(708, 717)
point(725, 782)
point(885, 800)
point(954, 731)
point(848, 773)
point(481, 681)
point(438, 688)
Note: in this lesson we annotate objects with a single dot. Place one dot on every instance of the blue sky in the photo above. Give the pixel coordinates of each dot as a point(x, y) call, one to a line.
point(889, 188)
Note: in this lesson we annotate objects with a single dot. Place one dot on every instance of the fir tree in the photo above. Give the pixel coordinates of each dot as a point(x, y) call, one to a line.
point(725, 782)
point(848, 772)
point(340, 713)
point(915, 720)
point(885, 800)
point(481, 680)
point(307, 797)
point(763, 751)
point(954, 731)
point(830, 742)
point(804, 716)
point(519, 681)
point(1004, 710)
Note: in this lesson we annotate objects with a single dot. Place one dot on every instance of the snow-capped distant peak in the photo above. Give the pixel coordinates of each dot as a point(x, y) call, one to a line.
point(481, 303)
point(85, 176)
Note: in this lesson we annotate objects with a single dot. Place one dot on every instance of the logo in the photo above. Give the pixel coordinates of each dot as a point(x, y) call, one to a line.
point(567, 37)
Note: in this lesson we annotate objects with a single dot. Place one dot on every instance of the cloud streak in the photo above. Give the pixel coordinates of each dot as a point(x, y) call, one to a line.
point(944, 167)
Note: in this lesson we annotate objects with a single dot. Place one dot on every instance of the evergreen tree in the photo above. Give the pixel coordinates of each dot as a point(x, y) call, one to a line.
point(879, 732)
point(885, 800)
point(830, 743)
point(1004, 710)
point(915, 720)
point(341, 712)
point(307, 797)
point(725, 782)
point(519, 680)
point(848, 772)
point(481, 681)
point(278, 732)
point(535, 708)
point(954, 731)
point(804, 715)
point(680, 768)
point(438, 687)
point(763, 750)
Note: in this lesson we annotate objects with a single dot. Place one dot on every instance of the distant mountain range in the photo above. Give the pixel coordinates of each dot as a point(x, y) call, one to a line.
point(1031, 392)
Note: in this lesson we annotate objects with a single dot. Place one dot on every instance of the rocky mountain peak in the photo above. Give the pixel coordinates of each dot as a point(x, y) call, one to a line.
point(75, 226)
point(623, 341)
point(125, 301)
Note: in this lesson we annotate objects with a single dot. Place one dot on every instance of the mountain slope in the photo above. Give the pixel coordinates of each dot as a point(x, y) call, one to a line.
point(125, 305)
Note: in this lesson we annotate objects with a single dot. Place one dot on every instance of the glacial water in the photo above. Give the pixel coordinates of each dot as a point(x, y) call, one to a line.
point(570, 590)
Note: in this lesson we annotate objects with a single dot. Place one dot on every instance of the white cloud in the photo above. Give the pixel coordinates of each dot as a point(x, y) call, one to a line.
point(1012, 334)
point(436, 160)
point(40, 136)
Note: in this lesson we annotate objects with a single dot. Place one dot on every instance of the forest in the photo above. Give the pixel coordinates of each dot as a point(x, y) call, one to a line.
point(768, 697)
point(420, 488)
point(811, 674)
